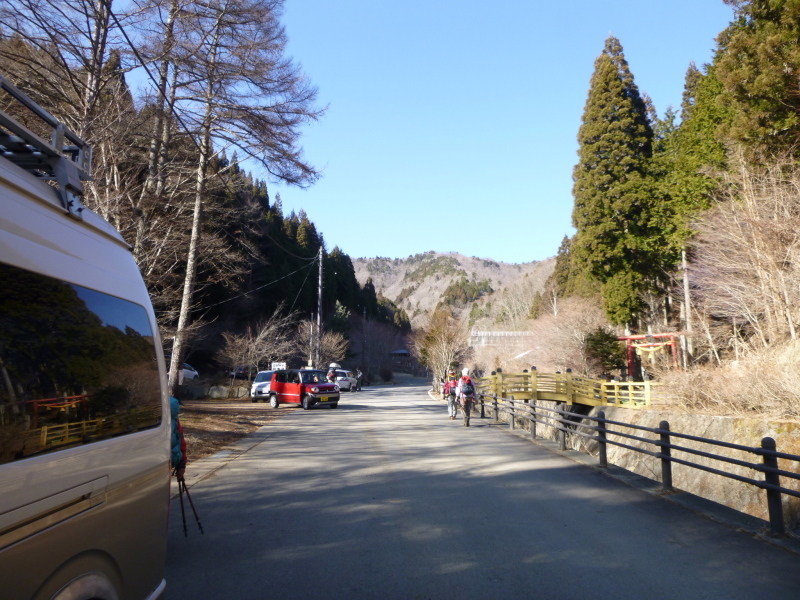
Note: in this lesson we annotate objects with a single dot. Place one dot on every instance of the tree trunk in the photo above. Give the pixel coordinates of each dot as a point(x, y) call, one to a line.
point(191, 259)
point(687, 303)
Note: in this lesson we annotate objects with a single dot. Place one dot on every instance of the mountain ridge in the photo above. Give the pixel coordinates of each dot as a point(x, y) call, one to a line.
point(418, 283)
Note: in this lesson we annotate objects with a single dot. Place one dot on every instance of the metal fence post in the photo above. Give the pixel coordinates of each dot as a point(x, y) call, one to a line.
point(513, 414)
point(601, 439)
point(666, 457)
point(498, 392)
point(569, 387)
point(774, 504)
point(533, 419)
point(562, 435)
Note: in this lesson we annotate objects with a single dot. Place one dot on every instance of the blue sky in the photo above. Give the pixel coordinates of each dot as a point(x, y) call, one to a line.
point(452, 124)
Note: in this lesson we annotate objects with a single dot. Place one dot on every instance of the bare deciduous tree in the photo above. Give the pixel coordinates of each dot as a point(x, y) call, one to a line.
point(260, 345)
point(333, 346)
point(746, 257)
point(242, 92)
point(442, 344)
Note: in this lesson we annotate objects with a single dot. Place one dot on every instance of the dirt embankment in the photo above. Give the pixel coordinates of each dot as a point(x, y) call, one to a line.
point(210, 425)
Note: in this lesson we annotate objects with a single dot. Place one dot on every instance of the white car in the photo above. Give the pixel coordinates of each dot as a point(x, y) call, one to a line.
point(260, 388)
point(346, 380)
point(189, 372)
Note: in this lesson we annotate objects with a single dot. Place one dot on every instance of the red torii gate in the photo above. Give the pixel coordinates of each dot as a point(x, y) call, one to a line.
point(649, 340)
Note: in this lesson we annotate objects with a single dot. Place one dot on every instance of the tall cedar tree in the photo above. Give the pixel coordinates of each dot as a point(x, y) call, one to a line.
point(612, 189)
point(759, 65)
point(689, 159)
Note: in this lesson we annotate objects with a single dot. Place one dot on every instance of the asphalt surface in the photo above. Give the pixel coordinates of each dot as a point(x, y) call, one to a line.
point(386, 498)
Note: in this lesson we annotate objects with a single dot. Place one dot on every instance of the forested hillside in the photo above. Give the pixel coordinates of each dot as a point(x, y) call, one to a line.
point(421, 283)
point(232, 278)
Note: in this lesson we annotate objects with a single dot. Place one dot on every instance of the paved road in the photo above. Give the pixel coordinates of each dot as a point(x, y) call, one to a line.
point(386, 498)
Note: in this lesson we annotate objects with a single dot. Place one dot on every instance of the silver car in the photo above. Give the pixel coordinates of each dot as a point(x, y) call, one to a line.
point(260, 388)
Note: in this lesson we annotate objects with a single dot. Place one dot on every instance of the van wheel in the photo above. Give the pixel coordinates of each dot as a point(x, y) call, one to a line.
point(306, 403)
point(273, 401)
point(334, 406)
point(254, 399)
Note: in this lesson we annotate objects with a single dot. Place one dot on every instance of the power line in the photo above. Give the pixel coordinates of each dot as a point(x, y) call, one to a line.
point(261, 287)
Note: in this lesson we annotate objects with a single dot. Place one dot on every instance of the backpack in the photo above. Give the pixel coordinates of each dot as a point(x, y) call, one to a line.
point(467, 388)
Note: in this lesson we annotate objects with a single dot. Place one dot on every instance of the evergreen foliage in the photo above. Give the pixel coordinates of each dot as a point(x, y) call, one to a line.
point(604, 349)
point(617, 225)
point(759, 65)
point(463, 292)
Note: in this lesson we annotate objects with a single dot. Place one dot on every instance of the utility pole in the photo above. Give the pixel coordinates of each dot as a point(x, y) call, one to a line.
point(319, 311)
point(688, 344)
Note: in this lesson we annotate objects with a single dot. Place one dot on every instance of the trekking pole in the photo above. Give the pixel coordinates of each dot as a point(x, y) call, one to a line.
point(194, 510)
point(183, 513)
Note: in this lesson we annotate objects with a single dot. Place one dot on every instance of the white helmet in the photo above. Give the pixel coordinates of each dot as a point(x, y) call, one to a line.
point(465, 372)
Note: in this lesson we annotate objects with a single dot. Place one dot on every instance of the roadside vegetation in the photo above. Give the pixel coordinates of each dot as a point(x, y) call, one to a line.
point(214, 95)
point(687, 224)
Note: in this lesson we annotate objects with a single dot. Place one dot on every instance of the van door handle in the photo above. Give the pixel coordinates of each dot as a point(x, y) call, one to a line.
point(29, 519)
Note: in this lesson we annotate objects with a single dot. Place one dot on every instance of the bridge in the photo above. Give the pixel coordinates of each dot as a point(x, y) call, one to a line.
point(388, 498)
point(496, 338)
point(568, 388)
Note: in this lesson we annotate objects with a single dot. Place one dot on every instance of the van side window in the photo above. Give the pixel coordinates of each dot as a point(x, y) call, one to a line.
point(76, 366)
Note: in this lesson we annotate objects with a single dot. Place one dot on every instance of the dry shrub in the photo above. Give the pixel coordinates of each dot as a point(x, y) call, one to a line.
point(557, 343)
point(765, 384)
point(746, 257)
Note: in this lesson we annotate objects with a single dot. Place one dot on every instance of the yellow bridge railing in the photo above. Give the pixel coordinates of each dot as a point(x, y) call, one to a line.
point(568, 388)
point(49, 436)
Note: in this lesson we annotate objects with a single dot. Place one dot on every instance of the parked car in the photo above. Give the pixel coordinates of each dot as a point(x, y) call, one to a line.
point(189, 372)
point(261, 386)
point(307, 387)
point(240, 372)
point(346, 380)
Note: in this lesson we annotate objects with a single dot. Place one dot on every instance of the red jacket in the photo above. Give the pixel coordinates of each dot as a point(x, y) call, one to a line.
point(450, 387)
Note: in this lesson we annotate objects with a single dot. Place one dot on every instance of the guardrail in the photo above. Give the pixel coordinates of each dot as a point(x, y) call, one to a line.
point(568, 388)
point(565, 423)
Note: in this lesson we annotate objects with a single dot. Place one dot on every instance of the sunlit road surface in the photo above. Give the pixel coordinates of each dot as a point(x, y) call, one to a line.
point(385, 497)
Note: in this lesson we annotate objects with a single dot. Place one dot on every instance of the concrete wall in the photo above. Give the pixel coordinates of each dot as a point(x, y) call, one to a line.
point(746, 432)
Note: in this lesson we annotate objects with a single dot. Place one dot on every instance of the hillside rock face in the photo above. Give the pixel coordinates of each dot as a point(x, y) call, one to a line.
point(417, 283)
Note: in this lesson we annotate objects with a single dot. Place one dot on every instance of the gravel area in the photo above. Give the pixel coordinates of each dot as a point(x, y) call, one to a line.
point(210, 425)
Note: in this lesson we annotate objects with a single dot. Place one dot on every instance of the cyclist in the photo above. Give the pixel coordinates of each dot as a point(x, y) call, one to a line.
point(450, 394)
point(465, 392)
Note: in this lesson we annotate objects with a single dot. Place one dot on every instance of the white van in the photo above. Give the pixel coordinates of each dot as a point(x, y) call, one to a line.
point(84, 416)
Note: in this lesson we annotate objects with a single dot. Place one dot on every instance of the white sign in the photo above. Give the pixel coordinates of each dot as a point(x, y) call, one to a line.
point(279, 366)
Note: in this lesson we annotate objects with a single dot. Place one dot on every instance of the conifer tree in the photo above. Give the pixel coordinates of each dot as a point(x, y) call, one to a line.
point(690, 156)
point(612, 188)
point(759, 65)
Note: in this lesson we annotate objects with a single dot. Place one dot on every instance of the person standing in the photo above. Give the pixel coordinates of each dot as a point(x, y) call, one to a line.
point(359, 379)
point(465, 392)
point(178, 441)
point(450, 394)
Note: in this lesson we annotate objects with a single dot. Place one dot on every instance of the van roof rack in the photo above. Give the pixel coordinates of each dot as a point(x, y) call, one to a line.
point(66, 159)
